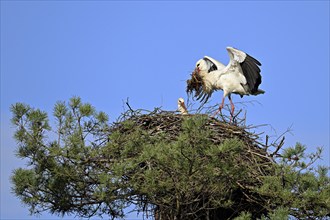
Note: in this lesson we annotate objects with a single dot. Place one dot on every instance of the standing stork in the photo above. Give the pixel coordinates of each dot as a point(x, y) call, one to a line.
point(241, 76)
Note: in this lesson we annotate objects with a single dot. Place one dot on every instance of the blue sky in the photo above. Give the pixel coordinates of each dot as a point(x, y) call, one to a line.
point(108, 51)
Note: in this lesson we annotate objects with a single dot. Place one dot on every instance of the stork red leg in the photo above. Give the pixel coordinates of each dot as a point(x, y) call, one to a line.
point(220, 107)
point(232, 108)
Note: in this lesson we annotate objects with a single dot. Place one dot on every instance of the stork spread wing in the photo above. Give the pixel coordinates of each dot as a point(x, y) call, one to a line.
point(210, 64)
point(251, 71)
point(213, 64)
point(250, 68)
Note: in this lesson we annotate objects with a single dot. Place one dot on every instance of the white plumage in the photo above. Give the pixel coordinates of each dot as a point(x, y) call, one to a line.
point(241, 76)
point(182, 107)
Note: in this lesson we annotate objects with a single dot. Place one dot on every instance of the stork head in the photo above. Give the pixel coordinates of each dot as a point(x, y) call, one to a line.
point(201, 67)
point(180, 101)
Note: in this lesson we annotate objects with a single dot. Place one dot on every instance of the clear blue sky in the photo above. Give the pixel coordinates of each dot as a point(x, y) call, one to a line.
point(107, 51)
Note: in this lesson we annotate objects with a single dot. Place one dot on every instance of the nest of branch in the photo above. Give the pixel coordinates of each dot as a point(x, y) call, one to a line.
point(169, 125)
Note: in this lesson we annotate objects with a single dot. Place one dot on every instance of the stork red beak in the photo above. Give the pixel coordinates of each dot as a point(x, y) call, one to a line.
point(196, 70)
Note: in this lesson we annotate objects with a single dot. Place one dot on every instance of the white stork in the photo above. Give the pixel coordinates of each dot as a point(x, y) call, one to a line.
point(241, 76)
point(182, 107)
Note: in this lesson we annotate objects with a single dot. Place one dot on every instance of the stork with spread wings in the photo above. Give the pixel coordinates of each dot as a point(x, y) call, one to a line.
point(241, 76)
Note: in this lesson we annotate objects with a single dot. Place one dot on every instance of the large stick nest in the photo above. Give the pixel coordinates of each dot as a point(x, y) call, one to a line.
point(170, 124)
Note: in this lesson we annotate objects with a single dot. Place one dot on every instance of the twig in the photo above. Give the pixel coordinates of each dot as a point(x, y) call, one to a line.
point(278, 147)
point(128, 105)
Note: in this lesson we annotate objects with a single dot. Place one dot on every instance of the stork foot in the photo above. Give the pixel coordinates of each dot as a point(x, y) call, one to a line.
point(217, 112)
point(232, 111)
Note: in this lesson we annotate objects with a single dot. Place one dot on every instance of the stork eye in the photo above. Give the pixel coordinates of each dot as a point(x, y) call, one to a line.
point(198, 65)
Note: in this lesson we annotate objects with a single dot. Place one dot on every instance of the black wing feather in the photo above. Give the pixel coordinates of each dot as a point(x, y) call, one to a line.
point(251, 71)
point(213, 66)
point(204, 97)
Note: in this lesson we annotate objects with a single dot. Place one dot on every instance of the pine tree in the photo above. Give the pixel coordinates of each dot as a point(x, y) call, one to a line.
point(166, 165)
